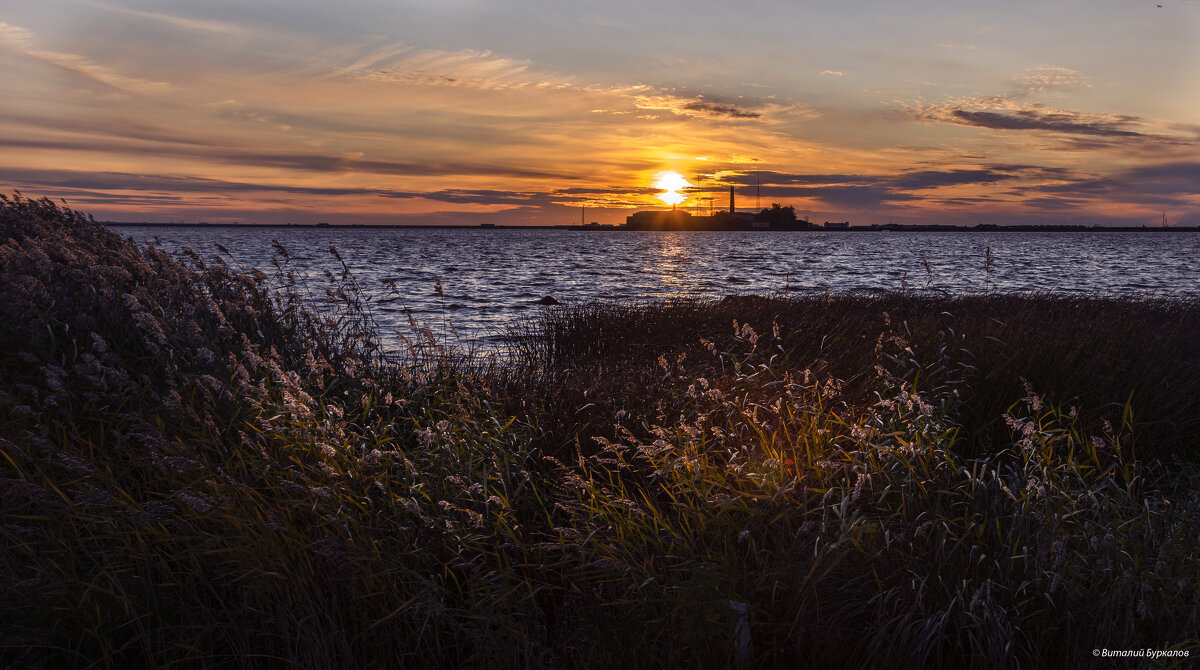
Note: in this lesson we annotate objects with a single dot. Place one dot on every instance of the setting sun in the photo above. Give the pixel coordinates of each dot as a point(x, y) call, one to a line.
point(671, 183)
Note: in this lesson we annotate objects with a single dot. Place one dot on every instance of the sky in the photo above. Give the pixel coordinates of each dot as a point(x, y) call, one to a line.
point(549, 112)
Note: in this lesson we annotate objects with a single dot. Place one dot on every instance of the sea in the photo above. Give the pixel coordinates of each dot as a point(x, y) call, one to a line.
point(473, 286)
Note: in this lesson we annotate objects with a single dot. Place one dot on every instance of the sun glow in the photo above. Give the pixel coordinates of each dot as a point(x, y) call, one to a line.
point(671, 183)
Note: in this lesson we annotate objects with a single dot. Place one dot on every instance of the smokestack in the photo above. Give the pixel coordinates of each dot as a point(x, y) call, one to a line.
point(731, 202)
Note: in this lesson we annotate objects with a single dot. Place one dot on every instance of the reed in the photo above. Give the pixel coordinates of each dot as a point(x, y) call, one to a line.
point(200, 469)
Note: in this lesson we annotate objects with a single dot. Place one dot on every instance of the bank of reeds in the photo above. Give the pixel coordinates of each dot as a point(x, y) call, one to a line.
point(198, 470)
point(1101, 355)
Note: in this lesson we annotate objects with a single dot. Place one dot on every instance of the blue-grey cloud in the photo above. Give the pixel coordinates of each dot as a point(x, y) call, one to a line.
point(962, 201)
point(1169, 184)
point(805, 179)
point(614, 190)
point(477, 197)
point(1058, 122)
point(124, 181)
point(1032, 187)
point(305, 162)
point(925, 179)
point(123, 128)
point(1072, 131)
point(914, 180)
point(851, 196)
point(1052, 203)
point(719, 110)
point(139, 189)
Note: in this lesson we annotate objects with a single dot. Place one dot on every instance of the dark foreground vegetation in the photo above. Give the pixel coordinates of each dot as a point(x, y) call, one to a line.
point(197, 470)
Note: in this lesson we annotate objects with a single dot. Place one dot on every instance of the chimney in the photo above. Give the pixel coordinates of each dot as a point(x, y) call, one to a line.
point(731, 202)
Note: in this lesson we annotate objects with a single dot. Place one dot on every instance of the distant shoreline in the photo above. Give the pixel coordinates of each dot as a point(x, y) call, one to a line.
point(888, 228)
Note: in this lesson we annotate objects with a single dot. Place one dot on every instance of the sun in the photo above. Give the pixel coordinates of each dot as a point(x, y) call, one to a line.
point(671, 183)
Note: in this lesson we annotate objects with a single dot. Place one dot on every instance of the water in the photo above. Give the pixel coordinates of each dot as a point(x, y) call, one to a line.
point(492, 278)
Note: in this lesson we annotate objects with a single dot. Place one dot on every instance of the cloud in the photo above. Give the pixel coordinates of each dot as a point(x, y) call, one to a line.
point(904, 181)
point(484, 70)
point(15, 37)
point(139, 130)
point(1171, 183)
point(697, 107)
point(1180, 177)
point(181, 22)
point(1047, 172)
point(478, 197)
point(865, 191)
point(927, 179)
point(771, 178)
point(614, 190)
point(141, 189)
point(1055, 203)
point(1011, 187)
point(23, 41)
point(1071, 130)
point(1018, 112)
point(833, 73)
point(1048, 77)
point(134, 189)
point(125, 181)
point(961, 201)
point(432, 67)
point(857, 196)
point(324, 163)
point(603, 196)
point(717, 110)
point(1059, 122)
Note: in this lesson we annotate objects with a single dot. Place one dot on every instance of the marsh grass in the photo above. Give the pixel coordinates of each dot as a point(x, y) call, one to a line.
point(198, 469)
point(1115, 359)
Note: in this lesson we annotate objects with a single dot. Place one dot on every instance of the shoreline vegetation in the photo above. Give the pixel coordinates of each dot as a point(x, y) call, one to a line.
point(205, 467)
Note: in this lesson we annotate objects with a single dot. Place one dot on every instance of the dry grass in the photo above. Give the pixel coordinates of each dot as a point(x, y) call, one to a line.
point(196, 469)
point(1101, 355)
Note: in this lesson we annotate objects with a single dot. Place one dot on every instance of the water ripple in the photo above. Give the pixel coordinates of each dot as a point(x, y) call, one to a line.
point(491, 277)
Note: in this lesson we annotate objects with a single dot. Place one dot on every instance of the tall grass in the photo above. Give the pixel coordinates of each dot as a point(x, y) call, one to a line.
point(198, 469)
point(1100, 354)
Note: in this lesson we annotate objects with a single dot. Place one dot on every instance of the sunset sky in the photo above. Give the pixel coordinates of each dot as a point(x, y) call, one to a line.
point(472, 111)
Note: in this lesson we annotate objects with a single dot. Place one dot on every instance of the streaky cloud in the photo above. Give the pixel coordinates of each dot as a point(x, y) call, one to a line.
point(174, 20)
point(23, 41)
point(1058, 122)
point(322, 163)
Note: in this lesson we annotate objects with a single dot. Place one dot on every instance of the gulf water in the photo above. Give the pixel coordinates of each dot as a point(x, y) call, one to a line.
point(491, 279)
